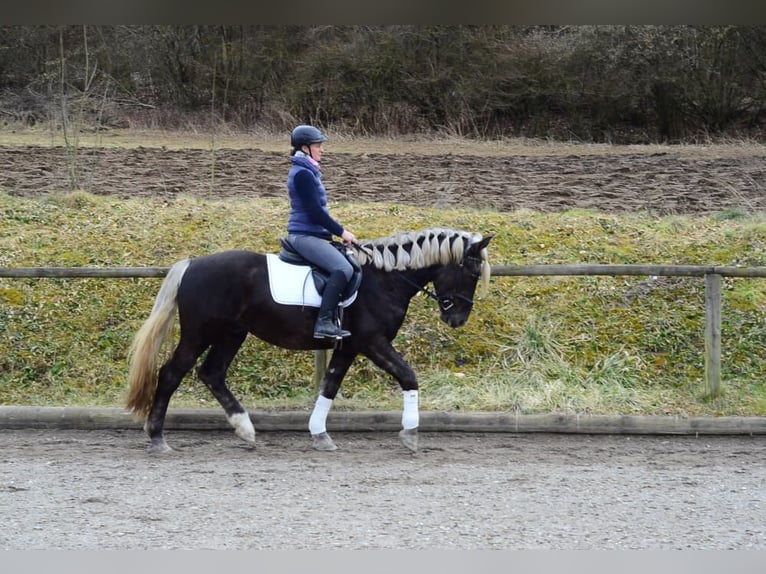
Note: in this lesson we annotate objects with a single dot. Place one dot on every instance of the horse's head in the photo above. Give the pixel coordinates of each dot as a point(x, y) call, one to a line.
point(455, 284)
point(455, 262)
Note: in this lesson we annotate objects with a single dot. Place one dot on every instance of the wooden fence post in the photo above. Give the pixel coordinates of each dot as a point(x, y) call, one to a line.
point(713, 333)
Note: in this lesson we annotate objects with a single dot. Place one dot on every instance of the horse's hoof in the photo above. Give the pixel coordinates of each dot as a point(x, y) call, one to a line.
point(322, 441)
point(246, 435)
point(159, 447)
point(409, 438)
point(243, 427)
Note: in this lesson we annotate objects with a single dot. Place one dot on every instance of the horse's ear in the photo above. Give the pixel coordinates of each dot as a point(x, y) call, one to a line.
point(479, 245)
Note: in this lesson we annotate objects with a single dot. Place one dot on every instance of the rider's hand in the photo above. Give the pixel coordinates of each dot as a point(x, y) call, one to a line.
point(348, 237)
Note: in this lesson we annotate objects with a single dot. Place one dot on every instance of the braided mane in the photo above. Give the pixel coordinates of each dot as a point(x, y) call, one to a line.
point(419, 249)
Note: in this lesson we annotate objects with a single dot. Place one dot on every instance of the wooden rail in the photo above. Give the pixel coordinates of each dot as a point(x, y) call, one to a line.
point(83, 272)
point(497, 271)
point(711, 273)
point(614, 270)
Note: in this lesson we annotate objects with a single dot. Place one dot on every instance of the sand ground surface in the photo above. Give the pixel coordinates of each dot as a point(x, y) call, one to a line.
point(100, 489)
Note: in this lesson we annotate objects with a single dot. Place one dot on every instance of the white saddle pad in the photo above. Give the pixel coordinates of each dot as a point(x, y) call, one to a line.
point(293, 285)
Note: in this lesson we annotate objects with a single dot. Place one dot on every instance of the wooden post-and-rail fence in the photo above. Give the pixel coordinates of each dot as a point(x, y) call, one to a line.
point(712, 275)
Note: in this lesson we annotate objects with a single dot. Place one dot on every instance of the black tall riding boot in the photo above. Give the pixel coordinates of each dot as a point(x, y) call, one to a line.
point(326, 325)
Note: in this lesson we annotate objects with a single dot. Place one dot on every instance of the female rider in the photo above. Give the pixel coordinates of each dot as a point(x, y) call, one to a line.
point(310, 227)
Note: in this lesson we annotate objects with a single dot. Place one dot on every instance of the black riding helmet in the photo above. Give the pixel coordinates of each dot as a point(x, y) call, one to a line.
point(306, 135)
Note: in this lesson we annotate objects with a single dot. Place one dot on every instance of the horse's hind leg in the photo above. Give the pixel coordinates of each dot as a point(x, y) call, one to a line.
point(170, 376)
point(213, 374)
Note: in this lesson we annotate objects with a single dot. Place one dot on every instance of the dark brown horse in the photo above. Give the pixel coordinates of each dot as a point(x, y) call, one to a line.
point(222, 297)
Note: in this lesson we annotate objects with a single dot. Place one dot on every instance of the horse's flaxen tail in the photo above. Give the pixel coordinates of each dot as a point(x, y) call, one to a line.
point(147, 344)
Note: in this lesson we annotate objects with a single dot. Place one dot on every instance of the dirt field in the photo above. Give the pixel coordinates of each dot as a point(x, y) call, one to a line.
point(100, 489)
point(658, 180)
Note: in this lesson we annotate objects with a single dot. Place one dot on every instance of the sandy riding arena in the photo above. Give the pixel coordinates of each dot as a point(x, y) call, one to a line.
point(101, 490)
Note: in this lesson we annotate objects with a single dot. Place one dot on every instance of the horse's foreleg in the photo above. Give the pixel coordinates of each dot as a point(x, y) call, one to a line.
point(213, 374)
point(391, 361)
point(336, 370)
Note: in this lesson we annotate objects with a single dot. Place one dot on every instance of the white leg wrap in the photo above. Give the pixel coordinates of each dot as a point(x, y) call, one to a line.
point(410, 414)
point(317, 422)
point(243, 426)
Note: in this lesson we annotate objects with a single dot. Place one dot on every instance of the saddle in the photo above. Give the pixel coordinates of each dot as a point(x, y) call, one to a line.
point(289, 255)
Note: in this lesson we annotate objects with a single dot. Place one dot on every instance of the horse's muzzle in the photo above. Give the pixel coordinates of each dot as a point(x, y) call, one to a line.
point(454, 320)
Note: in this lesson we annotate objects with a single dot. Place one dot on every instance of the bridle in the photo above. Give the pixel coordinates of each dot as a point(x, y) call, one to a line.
point(447, 301)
